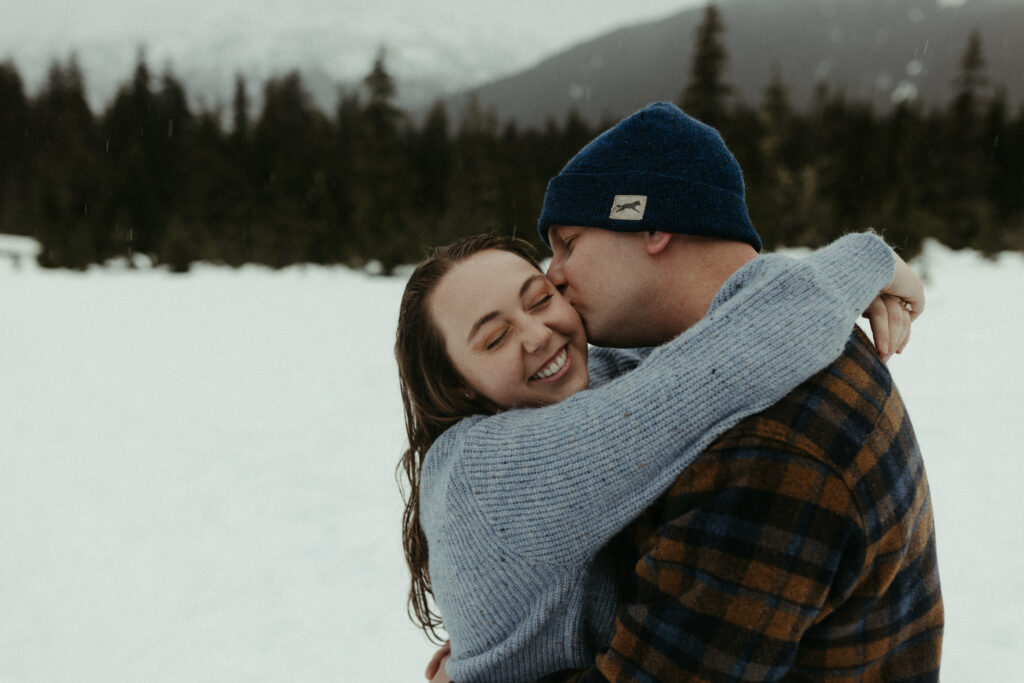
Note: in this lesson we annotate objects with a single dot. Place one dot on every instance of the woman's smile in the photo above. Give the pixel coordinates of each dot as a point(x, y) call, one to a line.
point(556, 368)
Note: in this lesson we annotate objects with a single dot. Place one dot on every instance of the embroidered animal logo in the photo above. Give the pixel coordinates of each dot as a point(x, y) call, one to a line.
point(628, 207)
point(632, 206)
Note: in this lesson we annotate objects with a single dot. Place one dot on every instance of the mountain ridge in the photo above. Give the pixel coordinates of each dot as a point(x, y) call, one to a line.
point(880, 51)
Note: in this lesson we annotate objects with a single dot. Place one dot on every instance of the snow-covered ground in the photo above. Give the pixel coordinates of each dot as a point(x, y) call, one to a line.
point(196, 472)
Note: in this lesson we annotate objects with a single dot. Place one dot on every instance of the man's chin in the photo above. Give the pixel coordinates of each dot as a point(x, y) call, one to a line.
point(599, 337)
point(594, 331)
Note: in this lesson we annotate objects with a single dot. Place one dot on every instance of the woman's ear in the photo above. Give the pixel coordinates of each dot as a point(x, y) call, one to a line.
point(656, 241)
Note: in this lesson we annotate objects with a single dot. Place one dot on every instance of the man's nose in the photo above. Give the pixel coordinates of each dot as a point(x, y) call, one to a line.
point(556, 274)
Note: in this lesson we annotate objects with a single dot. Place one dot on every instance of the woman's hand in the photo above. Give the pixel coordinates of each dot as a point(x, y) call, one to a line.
point(435, 669)
point(891, 313)
point(907, 286)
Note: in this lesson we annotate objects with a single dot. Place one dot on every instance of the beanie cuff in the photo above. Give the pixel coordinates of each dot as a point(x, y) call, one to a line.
point(670, 205)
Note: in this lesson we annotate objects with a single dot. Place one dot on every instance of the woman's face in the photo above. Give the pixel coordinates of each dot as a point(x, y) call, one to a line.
point(508, 331)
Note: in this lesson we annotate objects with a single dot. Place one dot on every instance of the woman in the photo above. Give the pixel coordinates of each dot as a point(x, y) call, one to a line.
point(515, 516)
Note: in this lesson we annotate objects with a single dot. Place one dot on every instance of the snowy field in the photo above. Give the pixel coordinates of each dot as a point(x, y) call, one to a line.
point(196, 472)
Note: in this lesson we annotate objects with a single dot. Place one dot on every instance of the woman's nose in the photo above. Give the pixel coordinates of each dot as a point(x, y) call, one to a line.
point(535, 335)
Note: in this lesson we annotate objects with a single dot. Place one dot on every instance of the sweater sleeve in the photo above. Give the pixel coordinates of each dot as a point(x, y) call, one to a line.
point(555, 483)
point(606, 364)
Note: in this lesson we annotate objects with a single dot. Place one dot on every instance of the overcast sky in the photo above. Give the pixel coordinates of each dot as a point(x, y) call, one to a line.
point(446, 43)
point(471, 40)
point(549, 22)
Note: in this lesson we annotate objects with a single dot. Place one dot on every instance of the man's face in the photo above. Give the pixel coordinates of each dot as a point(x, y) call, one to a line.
point(600, 272)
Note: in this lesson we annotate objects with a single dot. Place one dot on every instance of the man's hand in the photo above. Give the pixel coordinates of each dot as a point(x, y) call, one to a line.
point(435, 669)
point(891, 313)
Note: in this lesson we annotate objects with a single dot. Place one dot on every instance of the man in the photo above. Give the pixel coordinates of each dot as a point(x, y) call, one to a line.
point(800, 545)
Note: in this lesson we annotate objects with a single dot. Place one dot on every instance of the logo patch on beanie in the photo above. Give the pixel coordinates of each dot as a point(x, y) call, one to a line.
point(628, 207)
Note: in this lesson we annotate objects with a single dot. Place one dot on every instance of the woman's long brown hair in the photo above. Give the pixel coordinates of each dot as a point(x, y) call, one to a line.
point(432, 399)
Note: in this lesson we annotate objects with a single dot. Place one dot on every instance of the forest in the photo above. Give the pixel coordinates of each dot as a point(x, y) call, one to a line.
point(154, 176)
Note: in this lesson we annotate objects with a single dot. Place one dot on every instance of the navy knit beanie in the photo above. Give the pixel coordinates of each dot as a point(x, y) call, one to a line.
point(658, 169)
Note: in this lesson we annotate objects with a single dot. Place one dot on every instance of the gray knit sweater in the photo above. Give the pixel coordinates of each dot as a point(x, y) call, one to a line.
point(517, 506)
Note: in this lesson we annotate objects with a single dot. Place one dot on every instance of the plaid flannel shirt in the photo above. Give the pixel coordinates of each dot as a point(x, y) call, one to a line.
point(799, 547)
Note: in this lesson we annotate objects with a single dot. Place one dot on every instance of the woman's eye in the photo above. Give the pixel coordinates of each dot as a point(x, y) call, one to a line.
point(494, 343)
point(541, 301)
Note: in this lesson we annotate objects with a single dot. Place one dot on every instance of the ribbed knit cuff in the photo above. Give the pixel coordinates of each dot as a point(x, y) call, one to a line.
point(859, 265)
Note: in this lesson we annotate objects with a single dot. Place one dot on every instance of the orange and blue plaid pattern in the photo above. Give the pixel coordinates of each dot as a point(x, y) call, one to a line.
point(799, 547)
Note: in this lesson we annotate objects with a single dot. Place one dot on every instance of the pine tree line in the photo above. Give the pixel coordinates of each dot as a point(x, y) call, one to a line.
point(294, 184)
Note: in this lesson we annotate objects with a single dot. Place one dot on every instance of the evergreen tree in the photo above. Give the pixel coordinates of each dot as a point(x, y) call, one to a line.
point(705, 98)
point(905, 173)
point(131, 133)
point(343, 180)
point(966, 165)
point(221, 197)
point(746, 126)
point(575, 134)
point(474, 204)
point(790, 197)
point(65, 173)
point(523, 182)
point(768, 182)
point(969, 83)
point(852, 164)
point(291, 185)
point(780, 124)
point(15, 152)
point(181, 243)
point(289, 142)
point(431, 158)
point(240, 110)
point(1003, 178)
point(232, 199)
point(1008, 184)
point(382, 203)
